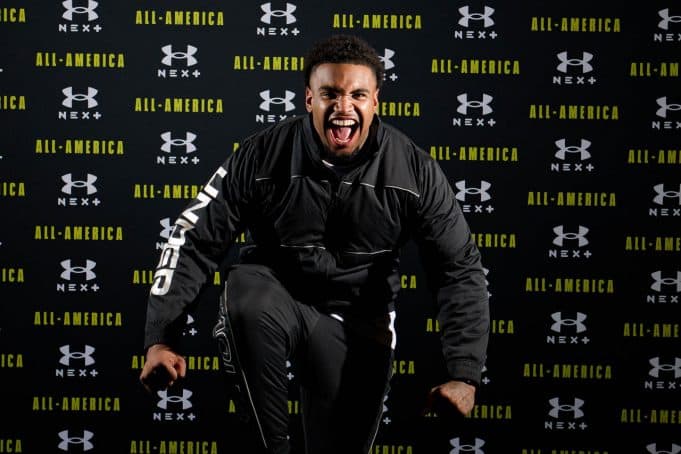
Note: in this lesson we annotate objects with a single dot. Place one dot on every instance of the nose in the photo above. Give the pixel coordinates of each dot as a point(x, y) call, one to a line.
point(344, 103)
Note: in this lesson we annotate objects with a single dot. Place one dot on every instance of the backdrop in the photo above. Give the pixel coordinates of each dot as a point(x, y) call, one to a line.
point(557, 124)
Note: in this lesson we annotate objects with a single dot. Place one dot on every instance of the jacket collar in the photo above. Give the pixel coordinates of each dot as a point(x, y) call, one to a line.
point(311, 149)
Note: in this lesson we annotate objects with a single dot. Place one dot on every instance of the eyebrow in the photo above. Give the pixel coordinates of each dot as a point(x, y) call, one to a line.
point(336, 89)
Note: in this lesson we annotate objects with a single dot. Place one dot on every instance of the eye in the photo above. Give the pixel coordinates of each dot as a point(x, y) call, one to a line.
point(328, 95)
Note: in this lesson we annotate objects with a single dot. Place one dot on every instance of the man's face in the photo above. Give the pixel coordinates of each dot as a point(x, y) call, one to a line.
point(342, 98)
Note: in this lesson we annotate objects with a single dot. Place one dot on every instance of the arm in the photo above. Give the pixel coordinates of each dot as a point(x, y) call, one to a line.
point(202, 234)
point(453, 266)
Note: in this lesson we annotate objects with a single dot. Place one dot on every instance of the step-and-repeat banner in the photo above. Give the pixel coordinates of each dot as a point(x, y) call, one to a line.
point(557, 123)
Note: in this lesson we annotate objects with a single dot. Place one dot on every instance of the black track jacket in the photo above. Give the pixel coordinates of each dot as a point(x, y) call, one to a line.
point(333, 241)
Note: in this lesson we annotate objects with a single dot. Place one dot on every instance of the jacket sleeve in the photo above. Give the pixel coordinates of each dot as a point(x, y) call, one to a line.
point(453, 267)
point(199, 240)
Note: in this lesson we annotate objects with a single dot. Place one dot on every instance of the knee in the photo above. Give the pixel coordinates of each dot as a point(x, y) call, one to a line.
point(253, 298)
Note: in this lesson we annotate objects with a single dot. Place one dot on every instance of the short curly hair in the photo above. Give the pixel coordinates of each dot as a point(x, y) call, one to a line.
point(343, 49)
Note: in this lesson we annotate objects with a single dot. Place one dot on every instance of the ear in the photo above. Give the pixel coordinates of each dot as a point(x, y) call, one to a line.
point(375, 100)
point(308, 99)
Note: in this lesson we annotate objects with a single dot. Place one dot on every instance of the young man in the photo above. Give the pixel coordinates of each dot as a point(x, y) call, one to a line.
point(328, 199)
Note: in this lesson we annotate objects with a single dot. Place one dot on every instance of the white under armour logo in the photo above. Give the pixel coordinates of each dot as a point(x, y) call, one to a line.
point(386, 58)
point(187, 142)
point(67, 440)
point(167, 228)
point(557, 408)
point(465, 104)
point(70, 97)
point(667, 19)
point(560, 322)
point(562, 235)
point(188, 55)
point(68, 355)
point(286, 101)
point(657, 367)
point(87, 270)
point(582, 149)
point(652, 449)
point(665, 107)
point(662, 194)
point(270, 13)
point(485, 17)
point(584, 62)
point(89, 10)
point(165, 399)
point(460, 447)
point(659, 281)
point(70, 183)
point(482, 191)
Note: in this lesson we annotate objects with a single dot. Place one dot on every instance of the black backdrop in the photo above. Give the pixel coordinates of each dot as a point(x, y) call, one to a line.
point(558, 125)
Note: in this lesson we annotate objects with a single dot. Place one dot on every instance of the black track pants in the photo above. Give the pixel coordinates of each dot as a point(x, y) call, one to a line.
point(343, 366)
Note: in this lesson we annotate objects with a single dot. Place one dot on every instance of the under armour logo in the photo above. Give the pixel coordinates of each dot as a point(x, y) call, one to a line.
point(560, 322)
point(67, 440)
point(562, 235)
point(465, 104)
point(89, 10)
point(70, 183)
point(667, 19)
point(187, 142)
point(286, 101)
point(270, 13)
point(582, 149)
point(188, 56)
point(657, 367)
point(467, 16)
point(662, 194)
point(165, 398)
point(459, 447)
point(652, 449)
point(87, 270)
point(167, 228)
point(557, 408)
point(481, 191)
point(664, 107)
point(658, 281)
point(584, 62)
point(81, 97)
point(386, 58)
point(68, 355)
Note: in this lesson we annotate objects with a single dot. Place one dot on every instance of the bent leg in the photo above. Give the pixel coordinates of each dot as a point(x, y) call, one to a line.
point(268, 325)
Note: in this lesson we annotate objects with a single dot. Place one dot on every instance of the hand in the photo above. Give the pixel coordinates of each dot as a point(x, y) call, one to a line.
point(456, 393)
point(162, 368)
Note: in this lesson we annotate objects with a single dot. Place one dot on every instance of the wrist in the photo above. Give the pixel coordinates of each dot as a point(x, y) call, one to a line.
point(467, 381)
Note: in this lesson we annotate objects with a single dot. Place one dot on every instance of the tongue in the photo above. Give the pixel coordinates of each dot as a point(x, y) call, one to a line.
point(342, 133)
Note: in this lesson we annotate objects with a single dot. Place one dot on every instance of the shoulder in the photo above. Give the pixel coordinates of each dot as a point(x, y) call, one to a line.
point(268, 151)
point(271, 135)
point(399, 145)
point(403, 153)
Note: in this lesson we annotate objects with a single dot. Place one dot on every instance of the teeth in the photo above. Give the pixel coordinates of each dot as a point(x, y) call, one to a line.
point(343, 122)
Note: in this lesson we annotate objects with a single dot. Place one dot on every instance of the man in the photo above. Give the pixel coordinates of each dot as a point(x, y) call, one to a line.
point(328, 199)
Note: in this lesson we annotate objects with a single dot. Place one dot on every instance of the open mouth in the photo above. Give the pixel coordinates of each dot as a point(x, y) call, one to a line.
point(342, 131)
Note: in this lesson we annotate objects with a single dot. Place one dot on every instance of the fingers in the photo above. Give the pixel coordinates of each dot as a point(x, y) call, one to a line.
point(181, 366)
point(162, 369)
point(156, 379)
point(452, 395)
point(461, 395)
point(463, 403)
